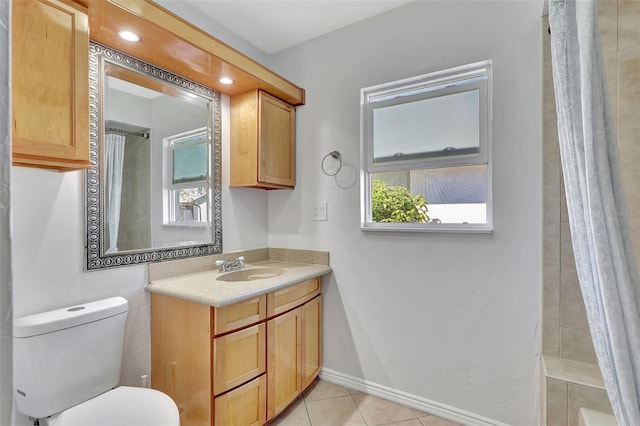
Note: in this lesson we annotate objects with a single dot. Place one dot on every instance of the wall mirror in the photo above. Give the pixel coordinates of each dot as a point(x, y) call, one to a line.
point(153, 191)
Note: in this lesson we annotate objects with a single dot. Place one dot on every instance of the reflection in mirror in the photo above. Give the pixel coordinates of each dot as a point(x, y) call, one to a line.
point(153, 192)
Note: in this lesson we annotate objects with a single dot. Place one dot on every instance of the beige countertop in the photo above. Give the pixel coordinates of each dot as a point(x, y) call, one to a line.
point(203, 287)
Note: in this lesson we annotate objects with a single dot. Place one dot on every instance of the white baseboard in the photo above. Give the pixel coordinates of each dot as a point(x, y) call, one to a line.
point(437, 409)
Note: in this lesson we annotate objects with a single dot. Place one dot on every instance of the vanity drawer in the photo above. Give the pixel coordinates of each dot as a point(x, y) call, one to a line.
point(244, 406)
point(287, 298)
point(238, 357)
point(239, 314)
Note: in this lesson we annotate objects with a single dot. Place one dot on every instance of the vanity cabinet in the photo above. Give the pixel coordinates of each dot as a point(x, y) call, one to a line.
point(262, 141)
point(50, 84)
point(241, 364)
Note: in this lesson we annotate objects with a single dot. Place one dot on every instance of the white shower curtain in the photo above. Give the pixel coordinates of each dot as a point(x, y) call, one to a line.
point(604, 256)
point(114, 154)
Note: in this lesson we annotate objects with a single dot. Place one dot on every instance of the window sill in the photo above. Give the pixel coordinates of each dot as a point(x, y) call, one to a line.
point(452, 228)
point(198, 225)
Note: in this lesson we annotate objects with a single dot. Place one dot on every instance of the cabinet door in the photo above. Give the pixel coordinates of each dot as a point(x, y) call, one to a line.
point(50, 84)
point(244, 406)
point(311, 338)
point(238, 357)
point(277, 160)
point(284, 363)
point(181, 356)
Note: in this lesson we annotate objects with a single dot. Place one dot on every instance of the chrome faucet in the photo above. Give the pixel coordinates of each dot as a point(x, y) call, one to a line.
point(230, 265)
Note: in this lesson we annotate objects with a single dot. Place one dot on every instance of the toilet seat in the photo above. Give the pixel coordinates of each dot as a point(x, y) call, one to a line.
point(122, 406)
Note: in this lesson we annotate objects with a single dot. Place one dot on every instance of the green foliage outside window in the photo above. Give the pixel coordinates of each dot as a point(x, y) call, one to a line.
point(396, 204)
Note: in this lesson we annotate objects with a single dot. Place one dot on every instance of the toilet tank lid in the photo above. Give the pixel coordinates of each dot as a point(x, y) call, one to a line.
point(71, 316)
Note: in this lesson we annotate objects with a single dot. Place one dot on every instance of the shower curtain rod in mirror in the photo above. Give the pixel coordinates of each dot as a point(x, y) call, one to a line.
point(126, 132)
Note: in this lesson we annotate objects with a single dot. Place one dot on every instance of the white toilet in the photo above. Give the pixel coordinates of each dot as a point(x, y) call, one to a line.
point(67, 368)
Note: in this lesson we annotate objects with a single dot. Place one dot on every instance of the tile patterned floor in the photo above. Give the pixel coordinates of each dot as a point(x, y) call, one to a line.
point(326, 404)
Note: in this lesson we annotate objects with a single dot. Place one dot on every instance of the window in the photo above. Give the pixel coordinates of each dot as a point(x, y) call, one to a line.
point(426, 152)
point(186, 178)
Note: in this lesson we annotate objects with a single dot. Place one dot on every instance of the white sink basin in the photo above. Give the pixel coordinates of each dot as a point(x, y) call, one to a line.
point(251, 274)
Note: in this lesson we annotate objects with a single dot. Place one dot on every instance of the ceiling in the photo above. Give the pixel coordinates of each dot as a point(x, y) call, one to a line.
point(274, 25)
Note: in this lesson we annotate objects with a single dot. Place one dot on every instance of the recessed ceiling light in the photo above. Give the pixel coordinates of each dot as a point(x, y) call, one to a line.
point(226, 80)
point(129, 36)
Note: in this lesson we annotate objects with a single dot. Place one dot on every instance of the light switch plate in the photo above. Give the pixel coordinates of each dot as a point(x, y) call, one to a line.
point(319, 211)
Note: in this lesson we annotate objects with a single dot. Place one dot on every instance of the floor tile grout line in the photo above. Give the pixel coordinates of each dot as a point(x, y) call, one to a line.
point(365, 420)
point(358, 408)
point(414, 414)
point(329, 397)
point(306, 409)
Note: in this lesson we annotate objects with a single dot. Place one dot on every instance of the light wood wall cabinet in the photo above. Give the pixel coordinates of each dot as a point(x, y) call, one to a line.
point(262, 141)
point(238, 365)
point(50, 84)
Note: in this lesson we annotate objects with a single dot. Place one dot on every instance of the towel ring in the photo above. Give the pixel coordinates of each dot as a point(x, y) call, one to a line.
point(336, 156)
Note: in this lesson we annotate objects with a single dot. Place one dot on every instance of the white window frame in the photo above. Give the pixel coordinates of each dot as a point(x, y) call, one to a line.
point(170, 189)
point(476, 76)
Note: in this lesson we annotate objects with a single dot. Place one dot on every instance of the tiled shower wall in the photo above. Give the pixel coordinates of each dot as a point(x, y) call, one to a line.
point(565, 332)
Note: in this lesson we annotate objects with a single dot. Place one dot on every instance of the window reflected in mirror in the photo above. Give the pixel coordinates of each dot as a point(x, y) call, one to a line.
point(186, 176)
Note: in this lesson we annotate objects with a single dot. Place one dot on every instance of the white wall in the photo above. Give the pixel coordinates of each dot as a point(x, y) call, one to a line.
point(127, 108)
point(217, 29)
point(451, 318)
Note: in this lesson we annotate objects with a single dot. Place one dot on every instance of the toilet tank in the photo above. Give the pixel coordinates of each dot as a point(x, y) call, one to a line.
point(67, 356)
